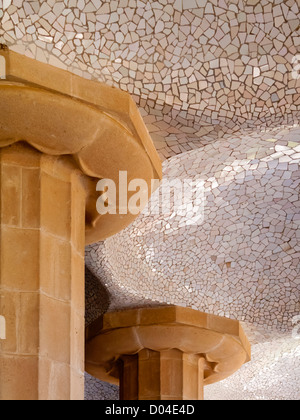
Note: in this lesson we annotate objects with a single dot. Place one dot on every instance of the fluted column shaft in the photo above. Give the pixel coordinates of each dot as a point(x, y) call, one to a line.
point(164, 375)
point(42, 222)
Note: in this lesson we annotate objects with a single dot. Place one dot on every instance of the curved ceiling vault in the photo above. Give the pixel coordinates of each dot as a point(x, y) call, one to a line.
point(240, 261)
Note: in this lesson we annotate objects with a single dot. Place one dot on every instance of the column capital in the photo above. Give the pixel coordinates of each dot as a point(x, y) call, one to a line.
point(221, 342)
point(100, 127)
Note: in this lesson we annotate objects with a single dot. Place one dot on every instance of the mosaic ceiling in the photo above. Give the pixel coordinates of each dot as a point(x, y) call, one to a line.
point(240, 260)
point(240, 256)
point(197, 68)
point(218, 85)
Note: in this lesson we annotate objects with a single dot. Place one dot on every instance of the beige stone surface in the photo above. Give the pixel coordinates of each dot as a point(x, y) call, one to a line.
point(51, 160)
point(42, 276)
point(165, 342)
point(167, 375)
point(49, 109)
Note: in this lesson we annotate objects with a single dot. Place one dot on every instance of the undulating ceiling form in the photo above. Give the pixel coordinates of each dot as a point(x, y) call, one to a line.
point(240, 259)
point(241, 256)
point(197, 68)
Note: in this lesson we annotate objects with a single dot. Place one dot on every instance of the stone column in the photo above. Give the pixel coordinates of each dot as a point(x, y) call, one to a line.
point(165, 353)
point(42, 276)
point(166, 375)
point(59, 135)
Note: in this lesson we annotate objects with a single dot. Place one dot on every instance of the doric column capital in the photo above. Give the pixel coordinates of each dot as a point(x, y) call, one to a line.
point(59, 113)
point(220, 342)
